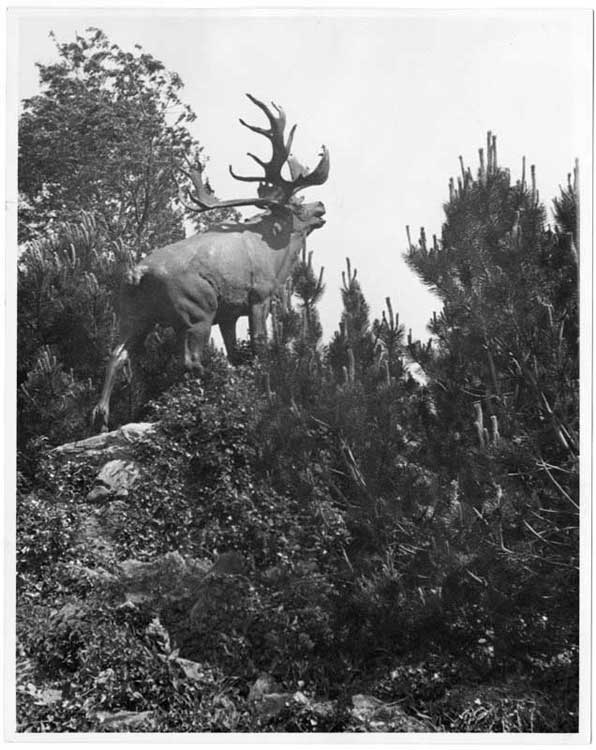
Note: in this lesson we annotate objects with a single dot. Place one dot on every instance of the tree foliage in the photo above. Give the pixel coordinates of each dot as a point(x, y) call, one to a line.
point(106, 135)
point(504, 376)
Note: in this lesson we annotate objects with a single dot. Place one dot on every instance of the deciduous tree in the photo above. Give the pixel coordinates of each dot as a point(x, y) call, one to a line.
point(106, 134)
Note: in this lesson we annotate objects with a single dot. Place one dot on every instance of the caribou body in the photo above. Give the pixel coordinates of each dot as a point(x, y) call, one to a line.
point(230, 271)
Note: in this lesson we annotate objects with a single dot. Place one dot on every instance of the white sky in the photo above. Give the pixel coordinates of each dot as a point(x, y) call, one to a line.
point(396, 97)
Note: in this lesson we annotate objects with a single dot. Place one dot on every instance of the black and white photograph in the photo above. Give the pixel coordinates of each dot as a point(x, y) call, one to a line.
point(297, 306)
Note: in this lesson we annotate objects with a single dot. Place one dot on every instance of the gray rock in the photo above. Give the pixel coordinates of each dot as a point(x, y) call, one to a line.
point(263, 684)
point(323, 709)
point(320, 708)
point(48, 696)
point(365, 706)
point(96, 575)
point(272, 704)
point(113, 452)
point(192, 669)
point(385, 717)
point(108, 445)
point(267, 703)
point(169, 577)
point(115, 479)
point(124, 720)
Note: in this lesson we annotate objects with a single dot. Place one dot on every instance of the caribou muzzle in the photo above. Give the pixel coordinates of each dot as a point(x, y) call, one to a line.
point(317, 216)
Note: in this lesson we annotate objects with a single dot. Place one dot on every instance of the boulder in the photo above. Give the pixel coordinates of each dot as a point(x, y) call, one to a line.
point(272, 704)
point(192, 597)
point(108, 445)
point(267, 701)
point(45, 696)
point(168, 578)
point(115, 479)
point(113, 453)
point(263, 684)
point(265, 698)
point(192, 669)
point(377, 716)
point(122, 721)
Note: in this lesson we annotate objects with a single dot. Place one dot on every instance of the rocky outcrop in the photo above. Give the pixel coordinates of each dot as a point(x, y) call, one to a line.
point(111, 455)
point(192, 601)
point(107, 445)
point(190, 596)
point(110, 459)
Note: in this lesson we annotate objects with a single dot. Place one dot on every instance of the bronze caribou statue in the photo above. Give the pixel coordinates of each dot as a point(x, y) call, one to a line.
point(229, 271)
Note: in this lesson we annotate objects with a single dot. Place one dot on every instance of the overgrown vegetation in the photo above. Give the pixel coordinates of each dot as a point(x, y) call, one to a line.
point(374, 534)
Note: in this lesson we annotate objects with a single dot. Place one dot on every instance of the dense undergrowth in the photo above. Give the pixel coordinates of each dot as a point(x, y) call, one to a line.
point(338, 594)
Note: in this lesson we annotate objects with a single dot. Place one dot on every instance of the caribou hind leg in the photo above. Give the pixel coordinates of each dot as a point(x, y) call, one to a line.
point(101, 413)
point(196, 339)
point(128, 347)
point(228, 334)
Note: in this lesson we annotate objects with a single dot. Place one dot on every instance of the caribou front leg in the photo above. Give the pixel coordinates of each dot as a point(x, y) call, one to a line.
point(228, 334)
point(257, 323)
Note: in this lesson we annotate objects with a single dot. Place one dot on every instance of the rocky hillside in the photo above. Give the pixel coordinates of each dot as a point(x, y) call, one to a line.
point(169, 582)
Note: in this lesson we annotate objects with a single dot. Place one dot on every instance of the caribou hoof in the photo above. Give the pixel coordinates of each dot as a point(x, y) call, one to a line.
point(99, 422)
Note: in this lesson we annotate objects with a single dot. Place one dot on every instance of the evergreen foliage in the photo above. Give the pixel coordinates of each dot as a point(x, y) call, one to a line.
point(67, 284)
point(503, 372)
point(350, 351)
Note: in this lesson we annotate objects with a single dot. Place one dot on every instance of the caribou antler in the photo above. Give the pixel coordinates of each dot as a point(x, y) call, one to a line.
point(274, 190)
point(273, 186)
point(204, 198)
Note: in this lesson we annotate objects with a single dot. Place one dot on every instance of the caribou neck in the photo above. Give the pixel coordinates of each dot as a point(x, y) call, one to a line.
point(285, 259)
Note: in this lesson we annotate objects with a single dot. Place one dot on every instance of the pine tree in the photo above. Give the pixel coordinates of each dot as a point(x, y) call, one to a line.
point(294, 366)
point(67, 292)
point(308, 288)
point(351, 348)
point(503, 371)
